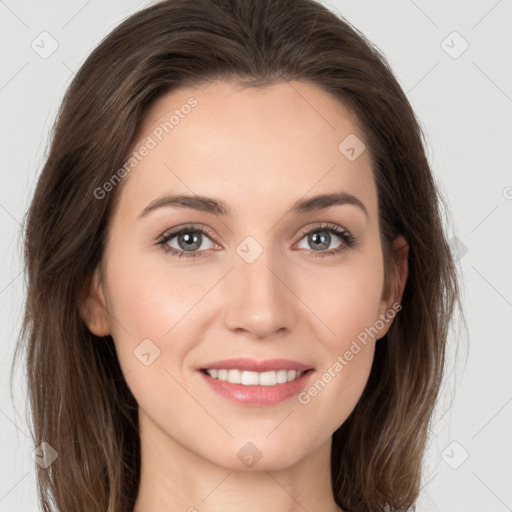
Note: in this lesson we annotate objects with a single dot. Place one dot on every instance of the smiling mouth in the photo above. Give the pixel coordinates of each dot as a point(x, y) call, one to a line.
point(252, 378)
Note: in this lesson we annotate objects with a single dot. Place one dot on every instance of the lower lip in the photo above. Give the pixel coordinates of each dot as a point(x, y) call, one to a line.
point(257, 395)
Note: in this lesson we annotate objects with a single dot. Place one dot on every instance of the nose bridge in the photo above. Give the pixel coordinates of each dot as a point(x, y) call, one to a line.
point(259, 301)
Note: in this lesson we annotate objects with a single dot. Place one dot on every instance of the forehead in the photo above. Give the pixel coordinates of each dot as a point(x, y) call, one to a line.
point(256, 148)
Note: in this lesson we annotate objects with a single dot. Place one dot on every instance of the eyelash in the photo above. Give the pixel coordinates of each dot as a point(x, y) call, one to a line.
point(349, 240)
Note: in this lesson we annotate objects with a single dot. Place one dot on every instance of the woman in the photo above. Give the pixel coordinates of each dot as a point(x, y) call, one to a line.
point(190, 345)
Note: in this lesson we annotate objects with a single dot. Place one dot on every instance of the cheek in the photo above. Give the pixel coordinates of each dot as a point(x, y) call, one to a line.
point(160, 309)
point(149, 300)
point(345, 299)
point(347, 306)
point(152, 312)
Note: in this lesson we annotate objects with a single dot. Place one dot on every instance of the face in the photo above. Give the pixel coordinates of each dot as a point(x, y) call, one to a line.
point(275, 276)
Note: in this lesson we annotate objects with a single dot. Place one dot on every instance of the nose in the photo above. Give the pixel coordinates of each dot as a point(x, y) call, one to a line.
point(258, 299)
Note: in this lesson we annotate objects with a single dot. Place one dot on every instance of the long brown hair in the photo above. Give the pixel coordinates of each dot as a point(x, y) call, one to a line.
point(80, 403)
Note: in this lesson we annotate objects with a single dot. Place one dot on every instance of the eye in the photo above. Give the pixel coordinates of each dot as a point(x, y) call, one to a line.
point(320, 237)
point(188, 242)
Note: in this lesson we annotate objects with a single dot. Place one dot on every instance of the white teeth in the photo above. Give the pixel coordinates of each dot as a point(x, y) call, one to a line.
point(268, 378)
point(248, 378)
point(235, 376)
point(281, 376)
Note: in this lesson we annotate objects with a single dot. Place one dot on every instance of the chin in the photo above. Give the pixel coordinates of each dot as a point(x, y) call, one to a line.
point(258, 455)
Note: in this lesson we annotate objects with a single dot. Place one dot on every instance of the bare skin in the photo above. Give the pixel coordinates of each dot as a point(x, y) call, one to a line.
point(259, 151)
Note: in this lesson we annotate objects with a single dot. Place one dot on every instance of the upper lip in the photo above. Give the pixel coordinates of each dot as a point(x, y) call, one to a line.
point(254, 365)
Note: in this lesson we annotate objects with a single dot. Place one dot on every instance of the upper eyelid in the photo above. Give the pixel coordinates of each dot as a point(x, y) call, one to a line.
point(171, 233)
point(329, 226)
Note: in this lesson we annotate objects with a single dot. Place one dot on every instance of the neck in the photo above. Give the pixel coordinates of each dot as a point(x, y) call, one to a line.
point(174, 478)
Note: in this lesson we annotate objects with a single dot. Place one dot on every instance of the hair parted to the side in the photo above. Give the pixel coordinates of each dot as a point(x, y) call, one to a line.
point(79, 400)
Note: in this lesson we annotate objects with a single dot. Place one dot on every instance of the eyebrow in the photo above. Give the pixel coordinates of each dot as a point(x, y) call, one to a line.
point(219, 207)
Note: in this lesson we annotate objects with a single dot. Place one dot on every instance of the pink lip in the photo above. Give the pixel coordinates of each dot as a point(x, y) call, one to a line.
point(257, 395)
point(253, 365)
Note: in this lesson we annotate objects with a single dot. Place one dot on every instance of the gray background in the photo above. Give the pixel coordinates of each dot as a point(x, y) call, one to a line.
point(464, 102)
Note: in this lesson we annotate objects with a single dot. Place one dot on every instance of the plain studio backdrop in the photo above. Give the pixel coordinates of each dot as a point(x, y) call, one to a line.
point(453, 59)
